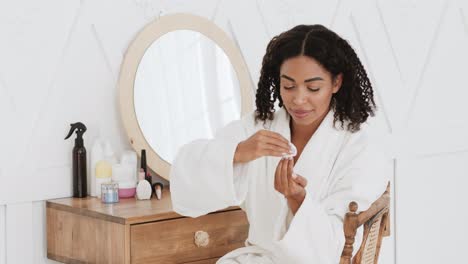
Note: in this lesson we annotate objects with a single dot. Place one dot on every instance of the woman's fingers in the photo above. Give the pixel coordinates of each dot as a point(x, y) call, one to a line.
point(269, 150)
point(278, 176)
point(269, 143)
point(290, 169)
point(286, 180)
point(284, 175)
point(275, 142)
point(300, 180)
point(274, 139)
point(274, 135)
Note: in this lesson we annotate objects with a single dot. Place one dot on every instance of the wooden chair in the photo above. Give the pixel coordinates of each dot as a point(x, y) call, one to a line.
point(376, 223)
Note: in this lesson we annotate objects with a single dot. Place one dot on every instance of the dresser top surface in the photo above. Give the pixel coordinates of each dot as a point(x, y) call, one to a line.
point(126, 211)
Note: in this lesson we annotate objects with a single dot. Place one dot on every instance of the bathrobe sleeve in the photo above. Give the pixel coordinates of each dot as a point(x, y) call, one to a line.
point(203, 177)
point(315, 232)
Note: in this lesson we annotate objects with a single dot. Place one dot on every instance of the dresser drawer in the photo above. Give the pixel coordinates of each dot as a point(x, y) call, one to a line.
point(173, 241)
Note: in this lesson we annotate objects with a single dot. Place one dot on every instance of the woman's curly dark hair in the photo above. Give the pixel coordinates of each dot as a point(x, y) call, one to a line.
point(354, 101)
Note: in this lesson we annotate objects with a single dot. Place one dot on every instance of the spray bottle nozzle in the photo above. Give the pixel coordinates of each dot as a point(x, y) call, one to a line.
point(80, 129)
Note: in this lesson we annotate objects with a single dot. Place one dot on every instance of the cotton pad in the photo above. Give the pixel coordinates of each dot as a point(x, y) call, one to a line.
point(293, 152)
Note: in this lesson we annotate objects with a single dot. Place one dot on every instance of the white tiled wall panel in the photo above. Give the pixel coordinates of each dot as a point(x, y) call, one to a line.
point(431, 209)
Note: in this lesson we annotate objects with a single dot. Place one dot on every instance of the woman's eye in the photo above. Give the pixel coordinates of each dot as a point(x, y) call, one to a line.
point(313, 90)
point(288, 87)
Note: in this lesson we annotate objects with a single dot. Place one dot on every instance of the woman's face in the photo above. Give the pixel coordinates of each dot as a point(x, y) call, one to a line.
point(306, 89)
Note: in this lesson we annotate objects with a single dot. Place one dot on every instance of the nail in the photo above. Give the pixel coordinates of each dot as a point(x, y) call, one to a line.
point(294, 175)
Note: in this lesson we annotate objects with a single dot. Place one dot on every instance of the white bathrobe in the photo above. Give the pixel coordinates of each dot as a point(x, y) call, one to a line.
point(340, 167)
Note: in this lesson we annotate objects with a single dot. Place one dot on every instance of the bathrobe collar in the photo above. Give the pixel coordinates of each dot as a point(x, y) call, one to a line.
point(320, 152)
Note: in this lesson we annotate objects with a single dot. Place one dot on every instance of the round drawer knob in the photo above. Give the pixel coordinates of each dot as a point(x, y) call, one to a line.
point(202, 238)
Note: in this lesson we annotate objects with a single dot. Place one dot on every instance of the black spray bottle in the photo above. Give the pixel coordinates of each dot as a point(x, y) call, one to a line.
point(79, 160)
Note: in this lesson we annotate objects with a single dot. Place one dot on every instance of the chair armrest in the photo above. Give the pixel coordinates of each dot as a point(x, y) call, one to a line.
point(378, 211)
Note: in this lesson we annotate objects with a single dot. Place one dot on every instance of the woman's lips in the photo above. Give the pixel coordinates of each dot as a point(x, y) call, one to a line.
point(300, 113)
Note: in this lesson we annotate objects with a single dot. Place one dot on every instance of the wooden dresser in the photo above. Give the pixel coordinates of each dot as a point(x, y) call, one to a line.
point(88, 231)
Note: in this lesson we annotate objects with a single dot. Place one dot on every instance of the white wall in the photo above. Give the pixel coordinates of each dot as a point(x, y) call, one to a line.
point(59, 62)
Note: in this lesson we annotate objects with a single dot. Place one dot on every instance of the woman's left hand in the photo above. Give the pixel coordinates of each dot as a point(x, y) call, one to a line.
point(291, 185)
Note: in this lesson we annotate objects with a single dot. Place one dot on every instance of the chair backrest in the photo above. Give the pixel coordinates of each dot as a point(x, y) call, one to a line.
point(376, 223)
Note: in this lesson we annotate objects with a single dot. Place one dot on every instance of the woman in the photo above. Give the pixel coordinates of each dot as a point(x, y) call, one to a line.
point(295, 206)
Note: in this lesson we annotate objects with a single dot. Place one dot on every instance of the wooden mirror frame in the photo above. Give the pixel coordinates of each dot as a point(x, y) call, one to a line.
point(133, 56)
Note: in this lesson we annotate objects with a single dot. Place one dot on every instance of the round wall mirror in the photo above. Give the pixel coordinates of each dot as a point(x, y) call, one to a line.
point(182, 79)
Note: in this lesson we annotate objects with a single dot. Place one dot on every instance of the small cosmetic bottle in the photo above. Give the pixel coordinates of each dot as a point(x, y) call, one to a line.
point(157, 189)
point(110, 192)
point(143, 190)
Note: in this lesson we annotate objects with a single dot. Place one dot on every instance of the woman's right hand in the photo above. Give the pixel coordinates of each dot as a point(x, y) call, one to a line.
point(262, 143)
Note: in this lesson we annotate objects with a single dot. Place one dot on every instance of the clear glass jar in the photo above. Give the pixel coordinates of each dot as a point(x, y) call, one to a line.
point(110, 192)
